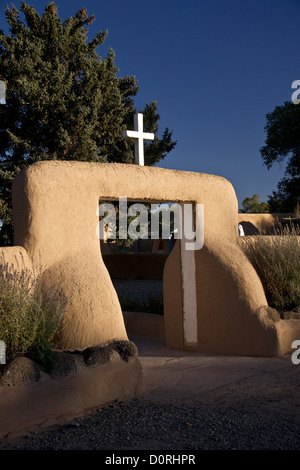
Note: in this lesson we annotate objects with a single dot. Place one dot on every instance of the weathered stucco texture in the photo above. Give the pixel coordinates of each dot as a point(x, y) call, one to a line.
point(55, 216)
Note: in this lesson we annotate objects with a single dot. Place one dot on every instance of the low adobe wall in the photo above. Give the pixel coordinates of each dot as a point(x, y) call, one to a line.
point(80, 382)
point(145, 325)
point(253, 224)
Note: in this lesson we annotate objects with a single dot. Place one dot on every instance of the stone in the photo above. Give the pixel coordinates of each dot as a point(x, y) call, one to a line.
point(20, 371)
point(126, 349)
point(63, 364)
point(96, 355)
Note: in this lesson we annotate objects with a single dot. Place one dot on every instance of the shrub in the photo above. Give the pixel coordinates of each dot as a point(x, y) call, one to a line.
point(29, 319)
point(153, 304)
point(277, 262)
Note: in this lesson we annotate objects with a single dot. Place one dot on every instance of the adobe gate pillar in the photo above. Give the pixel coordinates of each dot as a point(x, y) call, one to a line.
point(214, 301)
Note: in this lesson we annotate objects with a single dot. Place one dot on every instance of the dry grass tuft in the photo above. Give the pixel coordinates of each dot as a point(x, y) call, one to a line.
point(276, 259)
point(29, 318)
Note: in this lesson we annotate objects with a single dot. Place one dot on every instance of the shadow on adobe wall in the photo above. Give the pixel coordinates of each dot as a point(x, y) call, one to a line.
point(249, 228)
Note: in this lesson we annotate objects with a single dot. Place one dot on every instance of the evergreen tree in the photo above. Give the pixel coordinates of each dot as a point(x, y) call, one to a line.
point(63, 101)
point(283, 142)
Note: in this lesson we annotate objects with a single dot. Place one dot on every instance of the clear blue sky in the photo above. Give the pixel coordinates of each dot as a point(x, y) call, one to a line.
point(216, 67)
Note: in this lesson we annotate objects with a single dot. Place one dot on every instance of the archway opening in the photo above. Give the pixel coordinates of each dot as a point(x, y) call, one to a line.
point(136, 262)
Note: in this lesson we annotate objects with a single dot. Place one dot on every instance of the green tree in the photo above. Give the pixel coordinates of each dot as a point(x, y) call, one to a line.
point(283, 142)
point(63, 102)
point(253, 205)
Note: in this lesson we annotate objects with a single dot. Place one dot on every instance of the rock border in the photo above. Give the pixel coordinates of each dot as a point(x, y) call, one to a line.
point(79, 382)
point(22, 370)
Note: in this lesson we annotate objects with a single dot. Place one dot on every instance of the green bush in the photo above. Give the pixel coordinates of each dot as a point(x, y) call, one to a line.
point(277, 262)
point(29, 319)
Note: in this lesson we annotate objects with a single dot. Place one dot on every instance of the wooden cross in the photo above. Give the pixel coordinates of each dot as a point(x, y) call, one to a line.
point(139, 137)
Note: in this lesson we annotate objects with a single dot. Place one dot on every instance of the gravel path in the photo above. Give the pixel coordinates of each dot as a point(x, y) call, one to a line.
point(255, 413)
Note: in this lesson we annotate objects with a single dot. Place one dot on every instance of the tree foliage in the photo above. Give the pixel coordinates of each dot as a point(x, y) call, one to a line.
point(64, 102)
point(283, 142)
point(253, 205)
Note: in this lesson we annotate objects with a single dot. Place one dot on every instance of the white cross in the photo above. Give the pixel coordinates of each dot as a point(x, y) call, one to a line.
point(2, 92)
point(139, 137)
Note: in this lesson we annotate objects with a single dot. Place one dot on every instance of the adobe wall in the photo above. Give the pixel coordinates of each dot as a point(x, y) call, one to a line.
point(260, 223)
point(66, 393)
point(214, 300)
